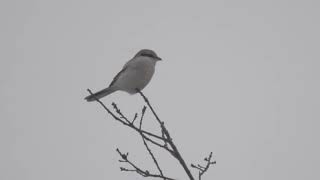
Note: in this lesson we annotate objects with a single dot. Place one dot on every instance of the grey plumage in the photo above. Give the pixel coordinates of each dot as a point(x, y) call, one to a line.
point(135, 74)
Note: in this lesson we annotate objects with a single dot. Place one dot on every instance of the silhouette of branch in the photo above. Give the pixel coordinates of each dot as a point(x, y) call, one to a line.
point(152, 156)
point(166, 134)
point(145, 135)
point(144, 173)
point(127, 123)
point(142, 115)
point(203, 169)
point(163, 141)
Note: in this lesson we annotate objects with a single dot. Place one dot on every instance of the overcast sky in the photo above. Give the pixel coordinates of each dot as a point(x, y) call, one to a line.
point(238, 78)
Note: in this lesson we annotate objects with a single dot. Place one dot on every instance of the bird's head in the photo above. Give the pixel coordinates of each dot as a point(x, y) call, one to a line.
point(148, 53)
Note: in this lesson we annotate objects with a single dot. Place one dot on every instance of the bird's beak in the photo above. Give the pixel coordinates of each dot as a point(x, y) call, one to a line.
point(158, 58)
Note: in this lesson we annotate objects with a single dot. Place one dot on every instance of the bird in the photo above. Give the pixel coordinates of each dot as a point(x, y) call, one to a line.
point(134, 76)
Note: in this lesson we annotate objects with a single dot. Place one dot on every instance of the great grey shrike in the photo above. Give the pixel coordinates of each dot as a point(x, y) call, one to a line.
point(135, 74)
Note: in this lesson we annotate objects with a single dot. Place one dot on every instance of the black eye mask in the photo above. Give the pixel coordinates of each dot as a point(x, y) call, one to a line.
point(148, 55)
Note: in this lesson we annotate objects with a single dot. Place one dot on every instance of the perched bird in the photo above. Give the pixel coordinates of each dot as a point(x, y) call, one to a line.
point(135, 74)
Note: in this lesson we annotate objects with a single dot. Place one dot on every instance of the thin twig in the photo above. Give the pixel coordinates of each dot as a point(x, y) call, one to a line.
point(203, 169)
point(142, 115)
point(147, 136)
point(144, 173)
point(176, 154)
point(152, 156)
point(134, 118)
point(133, 127)
point(107, 109)
point(146, 144)
point(120, 113)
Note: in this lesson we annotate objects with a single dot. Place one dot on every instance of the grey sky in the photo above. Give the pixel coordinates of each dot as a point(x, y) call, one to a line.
point(239, 78)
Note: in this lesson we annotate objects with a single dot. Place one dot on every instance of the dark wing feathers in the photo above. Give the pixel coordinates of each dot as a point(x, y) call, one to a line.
point(117, 76)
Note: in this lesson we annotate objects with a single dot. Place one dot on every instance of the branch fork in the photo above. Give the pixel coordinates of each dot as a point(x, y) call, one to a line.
point(163, 141)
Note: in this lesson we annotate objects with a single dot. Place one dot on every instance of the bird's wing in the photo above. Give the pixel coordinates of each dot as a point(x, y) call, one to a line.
point(125, 67)
point(118, 75)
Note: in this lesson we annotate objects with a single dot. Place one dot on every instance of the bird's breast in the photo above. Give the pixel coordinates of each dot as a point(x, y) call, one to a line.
point(138, 75)
point(144, 72)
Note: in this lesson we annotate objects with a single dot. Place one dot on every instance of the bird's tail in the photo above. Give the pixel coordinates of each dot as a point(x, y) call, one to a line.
point(100, 94)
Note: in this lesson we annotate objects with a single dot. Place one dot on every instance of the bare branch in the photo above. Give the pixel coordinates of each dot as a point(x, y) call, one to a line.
point(152, 156)
point(155, 139)
point(105, 107)
point(142, 114)
point(144, 173)
point(203, 169)
point(120, 113)
point(131, 125)
point(134, 118)
point(176, 152)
